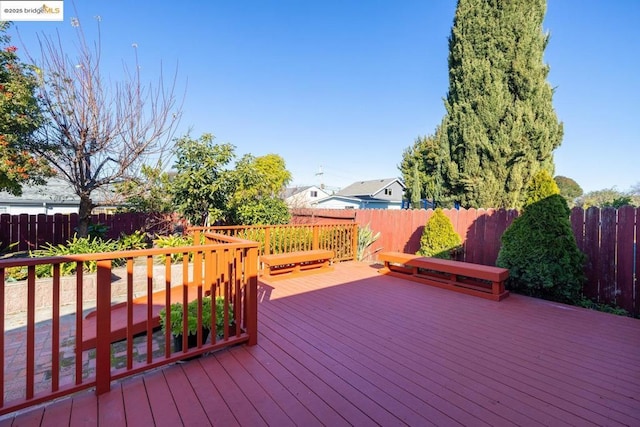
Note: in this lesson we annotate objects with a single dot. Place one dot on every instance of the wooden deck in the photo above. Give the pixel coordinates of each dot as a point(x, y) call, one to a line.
point(353, 347)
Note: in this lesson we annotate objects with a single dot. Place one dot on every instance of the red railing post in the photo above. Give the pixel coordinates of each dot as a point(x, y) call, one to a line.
point(103, 324)
point(251, 295)
point(315, 243)
point(267, 241)
point(354, 242)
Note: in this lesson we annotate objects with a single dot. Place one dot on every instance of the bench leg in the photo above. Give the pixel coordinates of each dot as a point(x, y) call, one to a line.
point(267, 270)
point(497, 288)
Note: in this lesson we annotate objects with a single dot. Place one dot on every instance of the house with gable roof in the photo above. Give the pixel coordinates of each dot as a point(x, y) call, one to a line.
point(373, 194)
point(304, 196)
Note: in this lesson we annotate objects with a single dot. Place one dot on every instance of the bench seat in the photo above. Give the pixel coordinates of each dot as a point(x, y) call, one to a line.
point(296, 263)
point(484, 281)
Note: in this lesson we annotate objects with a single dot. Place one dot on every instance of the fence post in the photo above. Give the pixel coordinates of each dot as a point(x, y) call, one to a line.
point(103, 332)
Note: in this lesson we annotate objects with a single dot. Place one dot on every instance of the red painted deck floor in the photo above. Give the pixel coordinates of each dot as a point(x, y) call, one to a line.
point(352, 347)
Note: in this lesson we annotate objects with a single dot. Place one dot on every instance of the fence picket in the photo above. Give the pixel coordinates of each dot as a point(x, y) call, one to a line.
point(592, 251)
point(607, 256)
point(625, 251)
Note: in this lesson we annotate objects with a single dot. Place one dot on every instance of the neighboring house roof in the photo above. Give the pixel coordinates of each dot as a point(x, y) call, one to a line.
point(56, 190)
point(338, 197)
point(368, 188)
point(342, 202)
point(292, 191)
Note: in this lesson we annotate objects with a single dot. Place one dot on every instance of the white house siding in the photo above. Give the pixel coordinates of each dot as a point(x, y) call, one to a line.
point(36, 208)
point(305, 197)
point(336, 203)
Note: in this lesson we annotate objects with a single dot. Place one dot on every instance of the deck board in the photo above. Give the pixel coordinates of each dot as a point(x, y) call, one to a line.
point(84, 410)
point(111, 408)
point(353, 347)
point(136, 403)
point(212, 401)
point(163, 408)
point(58, 414)
point(256, 392)
point(242, 408)
point(187, 403)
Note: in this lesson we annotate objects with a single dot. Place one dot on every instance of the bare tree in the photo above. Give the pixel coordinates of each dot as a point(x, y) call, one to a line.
point(100, 132)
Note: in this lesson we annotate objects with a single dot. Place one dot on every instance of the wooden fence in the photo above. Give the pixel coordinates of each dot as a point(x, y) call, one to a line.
point(31, 232)
point(607, 236)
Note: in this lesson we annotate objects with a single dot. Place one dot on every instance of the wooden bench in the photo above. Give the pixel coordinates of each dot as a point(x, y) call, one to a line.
point(296, 262)
point(473, 279)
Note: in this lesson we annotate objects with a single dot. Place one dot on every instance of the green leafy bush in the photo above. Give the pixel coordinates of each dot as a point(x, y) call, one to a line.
point(605, 308)
point(281, 239)
point(174, 241)
point(75, 246)
point(541, 186)
point(541, 253)
point(13, 274)
point(284, 239)
point(439, 239)
point(133, 241)
point(176, 319)
point(267, 211)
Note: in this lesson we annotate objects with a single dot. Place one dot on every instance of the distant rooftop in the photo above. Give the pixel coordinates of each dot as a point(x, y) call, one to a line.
point(366, 188)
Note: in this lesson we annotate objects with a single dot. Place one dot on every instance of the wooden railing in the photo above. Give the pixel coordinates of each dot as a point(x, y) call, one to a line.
point(341, 238)
point(224, 269)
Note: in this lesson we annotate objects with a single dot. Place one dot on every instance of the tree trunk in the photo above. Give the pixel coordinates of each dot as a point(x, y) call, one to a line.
point(84, 216)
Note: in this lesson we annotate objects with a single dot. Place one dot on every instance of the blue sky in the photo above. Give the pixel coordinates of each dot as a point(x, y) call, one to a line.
point(347, 86)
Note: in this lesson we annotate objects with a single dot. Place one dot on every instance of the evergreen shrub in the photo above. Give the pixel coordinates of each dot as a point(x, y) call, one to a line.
point(439, 239)
point(541, 186)
point(541, 253)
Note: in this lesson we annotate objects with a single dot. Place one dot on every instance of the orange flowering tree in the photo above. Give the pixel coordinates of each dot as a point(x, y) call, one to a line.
point(20, 117)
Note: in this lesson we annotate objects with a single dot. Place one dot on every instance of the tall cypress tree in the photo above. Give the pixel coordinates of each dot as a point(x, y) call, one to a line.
point(500, 127)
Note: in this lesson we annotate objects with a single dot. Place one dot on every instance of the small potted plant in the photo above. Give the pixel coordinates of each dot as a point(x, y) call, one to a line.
point(175, 323)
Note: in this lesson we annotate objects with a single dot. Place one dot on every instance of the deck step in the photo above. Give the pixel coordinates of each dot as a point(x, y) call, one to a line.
point(119, 315)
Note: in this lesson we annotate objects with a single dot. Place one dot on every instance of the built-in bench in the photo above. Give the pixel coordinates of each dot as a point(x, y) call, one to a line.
point(296, 263)
point(483, 281)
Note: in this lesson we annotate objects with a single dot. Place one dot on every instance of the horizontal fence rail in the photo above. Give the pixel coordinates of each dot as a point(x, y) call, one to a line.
point(47, 345)
point(607, 236)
